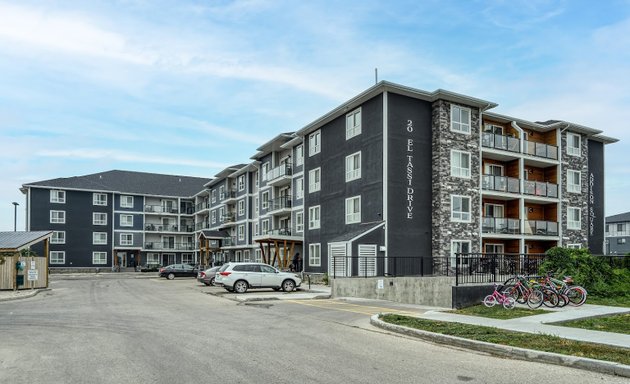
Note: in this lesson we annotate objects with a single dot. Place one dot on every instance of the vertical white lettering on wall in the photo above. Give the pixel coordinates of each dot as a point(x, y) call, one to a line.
point(591, 198)
point(409, 171)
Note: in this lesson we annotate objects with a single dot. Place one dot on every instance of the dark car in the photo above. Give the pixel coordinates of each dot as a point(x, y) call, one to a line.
point(207, 276)
point(178, 270)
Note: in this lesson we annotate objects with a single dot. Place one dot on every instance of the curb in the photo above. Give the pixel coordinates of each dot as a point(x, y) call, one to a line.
point(507, 351)
point(31, 293)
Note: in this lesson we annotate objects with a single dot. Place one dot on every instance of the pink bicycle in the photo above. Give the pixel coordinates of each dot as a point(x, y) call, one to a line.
point(498, 297)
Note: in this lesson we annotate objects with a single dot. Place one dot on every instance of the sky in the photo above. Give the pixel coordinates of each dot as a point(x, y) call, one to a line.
point(189, 87)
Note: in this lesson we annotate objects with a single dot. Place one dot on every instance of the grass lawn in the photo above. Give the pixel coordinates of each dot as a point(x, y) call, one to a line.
point(538, 342)
point(614, 323)
point(498, 312)
point(617, 301)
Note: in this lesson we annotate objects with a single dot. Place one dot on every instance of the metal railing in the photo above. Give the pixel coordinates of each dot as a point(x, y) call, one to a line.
point(501, 225)
point(501, 183)
point(477, 268)
point(160, 209)
point(280, 171)
point(279, 203)
point(170, 246)
point(541, 228)
point(541, 150)
point(506, 143)
point(538, 188)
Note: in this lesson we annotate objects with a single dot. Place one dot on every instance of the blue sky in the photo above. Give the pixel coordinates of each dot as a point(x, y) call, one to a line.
point(189, 87)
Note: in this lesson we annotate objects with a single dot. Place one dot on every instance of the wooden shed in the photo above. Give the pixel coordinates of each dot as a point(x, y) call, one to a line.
point(33, 270)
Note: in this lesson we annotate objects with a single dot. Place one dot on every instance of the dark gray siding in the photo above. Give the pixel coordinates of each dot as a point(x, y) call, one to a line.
point(595, 183)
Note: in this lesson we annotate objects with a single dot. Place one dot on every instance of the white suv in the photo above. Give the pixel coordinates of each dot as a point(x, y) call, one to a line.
point(239, 277)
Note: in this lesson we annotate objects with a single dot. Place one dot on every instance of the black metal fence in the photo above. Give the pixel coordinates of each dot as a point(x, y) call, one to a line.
point(477, 268)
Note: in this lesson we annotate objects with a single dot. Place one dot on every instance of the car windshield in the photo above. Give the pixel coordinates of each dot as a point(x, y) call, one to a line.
point(224, 267)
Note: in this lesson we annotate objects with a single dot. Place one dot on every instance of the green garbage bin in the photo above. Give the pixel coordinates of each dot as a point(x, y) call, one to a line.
point(20, 280)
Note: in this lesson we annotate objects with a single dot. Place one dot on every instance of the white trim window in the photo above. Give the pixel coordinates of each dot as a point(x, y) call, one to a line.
point(574, 181)
point(57, 217)
point(126, 239)
point(314, 180)
point(99, 258)
point(257, 256)
point(241, 207)
point(299, 188)
point(213, 195)
point(57, 257)
point(353, 166)
point(299, 222)
point(314, 143)
point(265, 200)
point(57, 196)
point(265, 171)
point(264, 227)
point(458, 246)
point(574, 144)
point(126, 201)
point(460, 164)
point(222, 192)
point(213, 216)
point(353, 123)
point(188, 258)
point(574, 246)
point(99, 199)
point(241, 182)
point(315, 255)
point(353, 210)
point(299, 155)
point(256, 205)
point(460, 119)
point(460, 208)
point(99, 218)
point(99, 238)
point(126, 220)
point(241, 232)
point(314, 215)
point(574, 218)
point(58, 237)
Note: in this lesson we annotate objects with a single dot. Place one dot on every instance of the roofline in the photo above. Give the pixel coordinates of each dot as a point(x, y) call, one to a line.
point(102, 191)
point(46, 235)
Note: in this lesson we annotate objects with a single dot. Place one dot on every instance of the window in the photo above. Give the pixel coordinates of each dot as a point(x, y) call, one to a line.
point(353, 210)
point(314, 180)
point(241, 232)
point(265, 170)
point(460, 164)
point(265, 227)
point(57, 217)
point(222, 192)
point(299, 222)
point(256, 229)
point(57, 196)
point(314, 143)
point(353, 166)
point(353, 124)
point(126, 220)
point(619, 227)
point(99, 238)
point(265, 200)
point(574, 181)
point(460, 208)
point(299, 188)
point(99, 199)
point(458, 246)
point(257, 256)
point(153, 258)
point(58, 237)
point(494, 169)
point(574, 246)
point(246, 255)
point(241, 182)
point(126, 239)
point(315, 255)
point(607, 228)
point(621, 240)
point(126, 201)
point(256, 205)
point(574, 219)
point(214, 217)
point(187, 258)
point(57, 257)
point(495, 129)
point(574, 147)
point(99, 258)
point(99, 218)
point(241, 207)
point(313, 217)
point(299, 155)
point(214, 195)
point(460, 119)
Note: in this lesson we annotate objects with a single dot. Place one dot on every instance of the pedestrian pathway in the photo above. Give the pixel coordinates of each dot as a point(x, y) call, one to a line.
point(543, 324)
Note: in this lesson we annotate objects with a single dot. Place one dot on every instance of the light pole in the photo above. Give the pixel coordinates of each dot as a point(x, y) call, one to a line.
point(15, 205)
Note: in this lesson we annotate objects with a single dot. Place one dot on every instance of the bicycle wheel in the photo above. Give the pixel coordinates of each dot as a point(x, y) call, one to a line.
point(535, 299)
point(564, 300)
point(550, 298)
point(489, 301)
point(577, 295)
point(509, 303)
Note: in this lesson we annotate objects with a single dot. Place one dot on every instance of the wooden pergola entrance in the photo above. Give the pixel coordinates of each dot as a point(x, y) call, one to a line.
point(270, 250)
point(209, 242)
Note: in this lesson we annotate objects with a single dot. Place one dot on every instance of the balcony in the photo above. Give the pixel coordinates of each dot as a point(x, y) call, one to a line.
point(541, 150)
point(501, 225)
point(167, 246)
point(202, 206)
point(502, 142)
point(228, 241)
point(227, 196)
point(500, 184)
point(278, 233)
point(279, 204)
point(202, 225)
point(541, 228)
point(227, 218)
point(537, 188)
point(280, 175)
point(161, 228)
point(160, 209)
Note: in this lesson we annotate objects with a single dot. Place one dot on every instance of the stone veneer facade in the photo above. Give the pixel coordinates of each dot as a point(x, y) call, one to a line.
point(572, 199)
point(444, 185)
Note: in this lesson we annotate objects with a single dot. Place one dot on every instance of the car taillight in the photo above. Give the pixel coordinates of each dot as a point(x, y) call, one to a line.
point(161, 270)
point(202, 274)
point(225, 273)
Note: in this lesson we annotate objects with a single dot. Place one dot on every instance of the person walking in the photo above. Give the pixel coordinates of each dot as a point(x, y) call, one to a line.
point(297, 262)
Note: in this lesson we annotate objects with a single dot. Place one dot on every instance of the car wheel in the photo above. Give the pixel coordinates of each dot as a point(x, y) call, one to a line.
point(240, 286)
point(170, 276)
point(211, 281)
point(288, 285)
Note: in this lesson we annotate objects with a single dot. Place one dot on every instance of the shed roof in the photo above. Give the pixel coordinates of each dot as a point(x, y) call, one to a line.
point(15, 241)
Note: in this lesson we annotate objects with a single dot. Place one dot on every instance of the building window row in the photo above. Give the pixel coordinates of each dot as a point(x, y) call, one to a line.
point(57, 196)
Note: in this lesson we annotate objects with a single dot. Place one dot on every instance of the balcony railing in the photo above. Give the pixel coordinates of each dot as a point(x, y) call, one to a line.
point(275, 232)
point(541, 228)
point(538, 188)
point(281, 171)
point(161, 228)
point(202, 225)
point(501, 183)
point(541, 150)
point(160, 209)
point(501, 225)
point(170, 246)
point(506, 143)
point(279, 203)
point(227, 195)
point(227, 218)
point(228, 241)
point(201, 206)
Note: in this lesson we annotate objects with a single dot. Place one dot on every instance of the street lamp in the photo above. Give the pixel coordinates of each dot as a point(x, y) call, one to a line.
point(15, 205)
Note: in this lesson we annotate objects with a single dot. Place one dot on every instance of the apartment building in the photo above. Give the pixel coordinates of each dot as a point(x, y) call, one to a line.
point(398, 172)
point(115, 218)
point(618, 234)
